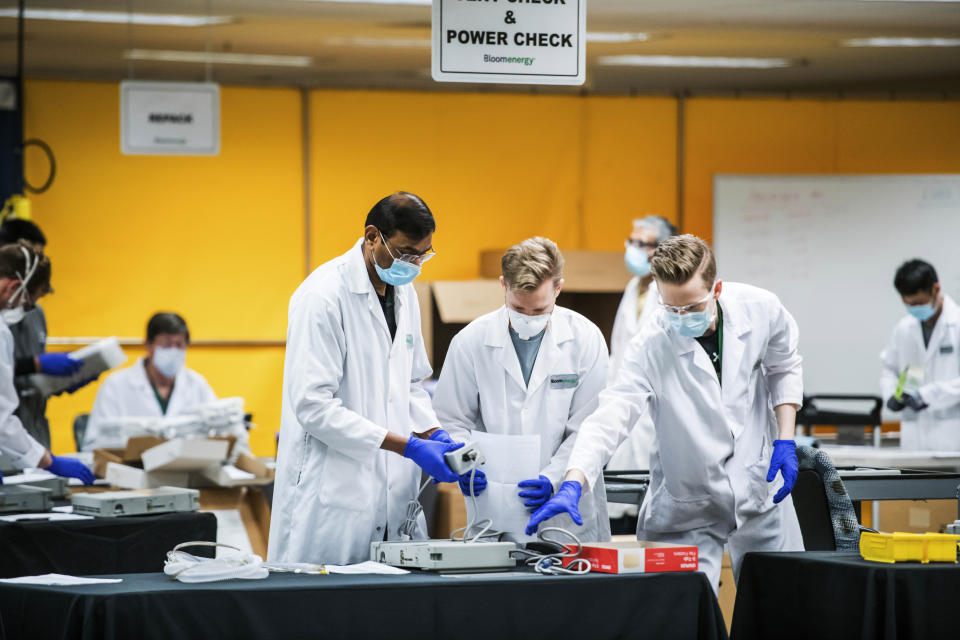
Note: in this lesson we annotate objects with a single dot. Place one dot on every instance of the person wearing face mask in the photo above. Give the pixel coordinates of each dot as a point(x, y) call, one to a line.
point(719, 372)
point(927, 339)
point(24, 277)
point(156, 385)
point(356, 425)
point(529, 368)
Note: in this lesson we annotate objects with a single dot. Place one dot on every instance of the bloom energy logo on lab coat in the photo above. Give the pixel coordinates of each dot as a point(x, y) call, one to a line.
point(510, 41)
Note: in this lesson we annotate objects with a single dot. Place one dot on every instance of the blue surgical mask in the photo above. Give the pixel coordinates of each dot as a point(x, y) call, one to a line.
point(692, 324)
point(637, 261)
point(400, 272)
point(921, 312)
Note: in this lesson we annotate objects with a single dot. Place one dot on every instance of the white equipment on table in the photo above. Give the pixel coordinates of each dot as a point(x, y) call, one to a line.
point(445, 555)
point(111, 504)
point(24, 498)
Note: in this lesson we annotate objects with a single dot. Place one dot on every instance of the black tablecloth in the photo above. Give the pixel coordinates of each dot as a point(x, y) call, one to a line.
point(133, 544)
point(520, 605)
point(840, 595)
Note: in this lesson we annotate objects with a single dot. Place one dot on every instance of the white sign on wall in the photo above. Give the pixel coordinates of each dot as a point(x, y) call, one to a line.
point(169, 118)
point(510, 41)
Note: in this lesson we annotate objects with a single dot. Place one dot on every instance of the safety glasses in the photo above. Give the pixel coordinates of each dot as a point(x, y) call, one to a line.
point(412, 258)
point(669, 308)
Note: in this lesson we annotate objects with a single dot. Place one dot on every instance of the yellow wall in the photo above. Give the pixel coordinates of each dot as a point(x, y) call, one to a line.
point(220, 239)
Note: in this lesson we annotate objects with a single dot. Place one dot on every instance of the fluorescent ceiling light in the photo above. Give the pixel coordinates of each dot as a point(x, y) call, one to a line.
point(424, 3)
point(910, 0)
point(901, 42)
point(694, 61)
point(215, 57)
point(600, 36)
point(118, 17)
point(360, 41)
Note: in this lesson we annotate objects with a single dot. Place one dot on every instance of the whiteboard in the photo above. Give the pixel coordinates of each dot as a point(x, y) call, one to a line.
point(829, 246)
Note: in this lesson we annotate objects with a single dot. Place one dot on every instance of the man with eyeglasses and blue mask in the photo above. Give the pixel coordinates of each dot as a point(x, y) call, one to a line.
point(719, 372)
point(921, 365)
point(356, 425)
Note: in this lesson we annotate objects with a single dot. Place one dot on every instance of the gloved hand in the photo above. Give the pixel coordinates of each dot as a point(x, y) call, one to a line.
point(58, 364)
point(784, 460)
point(565, 501)
point(78, 386)
point(913, 402)
point(479, 483)
point(538, 491)
point(70, 468)
point(428, 454)
point(894, 404)
point(441, 436)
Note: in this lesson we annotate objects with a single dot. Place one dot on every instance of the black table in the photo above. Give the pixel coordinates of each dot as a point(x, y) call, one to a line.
point(520, 604)
point(131, 544)
point(840, 595)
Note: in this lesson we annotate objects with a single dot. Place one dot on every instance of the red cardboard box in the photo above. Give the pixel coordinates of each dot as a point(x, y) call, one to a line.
point(637, 556)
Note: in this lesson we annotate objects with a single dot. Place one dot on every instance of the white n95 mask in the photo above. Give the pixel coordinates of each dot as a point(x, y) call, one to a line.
point(12, 316)
point(169, 360)
point(527, 326)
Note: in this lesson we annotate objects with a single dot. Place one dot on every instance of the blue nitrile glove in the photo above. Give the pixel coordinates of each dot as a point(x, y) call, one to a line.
point(913, 402)
point(70, 468)
point(784, 460)
point(58, 364)
point(428, 454)
point(895, 404)
point(538, 490)
point(479, 483)
point(441, 436)
point(566, 501)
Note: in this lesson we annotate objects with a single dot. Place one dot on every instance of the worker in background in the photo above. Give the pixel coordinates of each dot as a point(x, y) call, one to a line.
point(24, 278)
point(529, 368)
point(159, 384)
point(637, 307)
point(353, 404)
point(719, 372)
point(927, 341)
point(30, 343)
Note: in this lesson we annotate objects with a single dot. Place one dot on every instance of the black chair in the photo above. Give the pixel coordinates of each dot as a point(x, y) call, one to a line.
point(828, 521)
point(80, 428)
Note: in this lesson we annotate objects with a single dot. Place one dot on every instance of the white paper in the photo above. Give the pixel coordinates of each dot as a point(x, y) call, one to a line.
point(509, 460)
point(50, 517)
point(28, 476)
point(59, 579)
point(67, 508)
point(368, 567)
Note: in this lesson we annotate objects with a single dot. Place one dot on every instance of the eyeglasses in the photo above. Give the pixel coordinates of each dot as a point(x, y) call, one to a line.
point(412, 258)
point(669, 308)
point(640, 244)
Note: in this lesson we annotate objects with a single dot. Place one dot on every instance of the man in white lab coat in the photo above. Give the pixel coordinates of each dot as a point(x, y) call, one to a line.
point(720, 374)
point(529, 368)
point(158, 385)
point(24, 278)
point(927, 341)
point(352, 397)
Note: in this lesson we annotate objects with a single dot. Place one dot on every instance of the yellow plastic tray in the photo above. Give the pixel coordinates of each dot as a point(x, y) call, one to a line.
point(909, 547)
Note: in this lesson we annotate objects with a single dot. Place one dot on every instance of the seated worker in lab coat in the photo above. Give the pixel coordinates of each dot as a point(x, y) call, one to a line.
point(529, 368)
point(24, 278)
point(158, 385)
point(30, 343)
point(927, 340)
point(719, 372)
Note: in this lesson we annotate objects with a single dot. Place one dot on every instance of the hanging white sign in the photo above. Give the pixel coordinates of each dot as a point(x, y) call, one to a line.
point(510, 41)
point(169, 118)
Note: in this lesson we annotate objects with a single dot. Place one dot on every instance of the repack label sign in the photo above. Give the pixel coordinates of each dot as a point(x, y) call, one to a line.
point(510, 41)
point(169, 118)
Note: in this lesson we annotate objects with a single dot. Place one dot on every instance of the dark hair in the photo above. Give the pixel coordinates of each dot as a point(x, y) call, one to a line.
point(404, 212)
point(915, 276)
point(13, 264)
point(15, 229)
point(169, 323)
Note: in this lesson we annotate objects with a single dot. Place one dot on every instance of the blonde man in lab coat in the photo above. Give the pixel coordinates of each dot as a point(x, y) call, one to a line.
point(356, 426)
point(529, 368)
point(720, 374)
point(927, 340)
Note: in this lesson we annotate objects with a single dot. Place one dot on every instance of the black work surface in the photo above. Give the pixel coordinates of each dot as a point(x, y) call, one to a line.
point(132, 544)
point(521, 605)
point(840, 595)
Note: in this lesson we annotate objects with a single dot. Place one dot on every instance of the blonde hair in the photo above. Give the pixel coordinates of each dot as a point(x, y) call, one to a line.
point(680, 258)
point(527, 265)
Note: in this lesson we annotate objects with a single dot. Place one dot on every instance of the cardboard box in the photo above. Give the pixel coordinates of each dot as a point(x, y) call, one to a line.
point(250, 503)
point(129, 456)
point(638, 556)
point(583, 271)
point(915, 516)
point(185, 455)
point(727, 595)
point(247, 471)
point(450, 511)
point(126, 477)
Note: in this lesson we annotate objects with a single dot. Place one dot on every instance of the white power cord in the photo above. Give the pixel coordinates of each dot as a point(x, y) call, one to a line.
point(414, 509)
point(485, 523)
point(552, 563)
point(187, 567)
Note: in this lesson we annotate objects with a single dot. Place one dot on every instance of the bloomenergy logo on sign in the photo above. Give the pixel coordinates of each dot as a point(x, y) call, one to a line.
point(510, 41)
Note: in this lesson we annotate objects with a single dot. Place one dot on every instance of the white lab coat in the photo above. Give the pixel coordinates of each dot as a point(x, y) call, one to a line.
point(128, 394)
point(15, 442)
point(936, 428)
point(712, 445)
point(344, 387)
point(481, 387)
